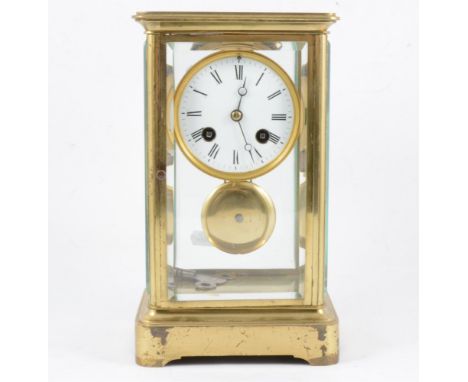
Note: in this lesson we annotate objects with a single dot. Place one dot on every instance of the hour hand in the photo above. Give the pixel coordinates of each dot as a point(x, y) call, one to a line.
point(242, 92)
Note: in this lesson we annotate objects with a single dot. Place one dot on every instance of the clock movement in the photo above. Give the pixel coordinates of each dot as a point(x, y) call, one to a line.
point(236, 127)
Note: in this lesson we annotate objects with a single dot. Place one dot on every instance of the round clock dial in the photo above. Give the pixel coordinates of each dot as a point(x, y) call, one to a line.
point(237, 115)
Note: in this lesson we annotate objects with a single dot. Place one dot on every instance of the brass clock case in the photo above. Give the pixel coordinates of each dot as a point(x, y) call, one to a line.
point(237, 176)
point(248, 323)
point(238, 218)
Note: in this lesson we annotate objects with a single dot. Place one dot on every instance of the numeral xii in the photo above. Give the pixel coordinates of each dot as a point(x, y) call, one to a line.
point(239, 71)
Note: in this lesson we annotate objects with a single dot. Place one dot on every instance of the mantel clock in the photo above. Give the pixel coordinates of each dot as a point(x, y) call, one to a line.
point(236, 124)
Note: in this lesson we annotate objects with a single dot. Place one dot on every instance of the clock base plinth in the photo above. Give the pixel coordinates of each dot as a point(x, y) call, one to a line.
point(165, 336)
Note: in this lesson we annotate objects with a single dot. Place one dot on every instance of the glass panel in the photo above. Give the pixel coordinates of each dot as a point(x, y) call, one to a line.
point(199, 270)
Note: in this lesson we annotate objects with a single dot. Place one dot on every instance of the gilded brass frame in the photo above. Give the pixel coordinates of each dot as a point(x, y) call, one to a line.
point(315, 308)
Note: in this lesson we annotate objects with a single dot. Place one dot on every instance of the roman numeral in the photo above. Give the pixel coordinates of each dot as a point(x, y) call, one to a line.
point(239, 71)
point(214, 151)
point(197, 135)
point(278, 117)
point(261, 75)
point(274, 138)
point(275, 94)
point(235, 157)
point(199, 92)
point(216, 76)
point(194, 113)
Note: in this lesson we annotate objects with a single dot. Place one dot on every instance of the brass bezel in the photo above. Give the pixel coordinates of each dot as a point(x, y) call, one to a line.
point(232, 176)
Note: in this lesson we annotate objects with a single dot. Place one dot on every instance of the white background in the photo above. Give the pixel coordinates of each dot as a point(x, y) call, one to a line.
point(96, 260)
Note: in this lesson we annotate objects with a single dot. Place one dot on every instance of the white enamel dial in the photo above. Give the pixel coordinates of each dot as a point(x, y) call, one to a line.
point(237, 115)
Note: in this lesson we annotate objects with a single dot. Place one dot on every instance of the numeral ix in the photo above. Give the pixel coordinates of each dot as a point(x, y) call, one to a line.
point(194, 113)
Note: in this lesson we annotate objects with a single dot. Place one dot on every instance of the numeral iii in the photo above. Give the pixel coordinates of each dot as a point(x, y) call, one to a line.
point(278, 117)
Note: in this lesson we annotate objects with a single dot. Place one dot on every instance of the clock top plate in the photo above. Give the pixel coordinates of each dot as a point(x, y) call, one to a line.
point(235, 21)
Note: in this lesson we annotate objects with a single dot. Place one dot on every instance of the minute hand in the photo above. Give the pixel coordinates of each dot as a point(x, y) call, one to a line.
point(243, 134)
point(248, 146)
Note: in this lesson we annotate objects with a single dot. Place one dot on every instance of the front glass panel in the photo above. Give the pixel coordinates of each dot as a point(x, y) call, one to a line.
point(198, 267)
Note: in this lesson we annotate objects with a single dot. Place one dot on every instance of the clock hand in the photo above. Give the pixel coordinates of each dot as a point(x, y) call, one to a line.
point(248, 146)
point(236, 114)
point(250, 152)
point(242, 92)
point(242, 131)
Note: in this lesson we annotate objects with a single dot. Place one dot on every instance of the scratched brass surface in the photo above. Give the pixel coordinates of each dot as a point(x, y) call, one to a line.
point(162, 337)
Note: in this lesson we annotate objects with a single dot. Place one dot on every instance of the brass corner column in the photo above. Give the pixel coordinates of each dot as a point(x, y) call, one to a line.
point(155, 165)
point(317, 120)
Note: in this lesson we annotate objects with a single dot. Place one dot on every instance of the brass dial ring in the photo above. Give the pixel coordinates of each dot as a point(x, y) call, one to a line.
point(236, 115)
